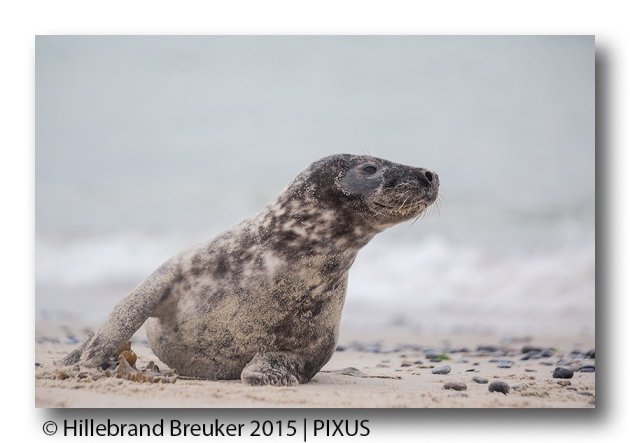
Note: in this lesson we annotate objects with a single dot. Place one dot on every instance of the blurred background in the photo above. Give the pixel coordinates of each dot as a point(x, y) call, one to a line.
point(148, 145)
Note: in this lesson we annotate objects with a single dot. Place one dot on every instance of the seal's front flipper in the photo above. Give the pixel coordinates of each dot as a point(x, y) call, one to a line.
point(274, 368)
point(74, 357)
point(126, 318)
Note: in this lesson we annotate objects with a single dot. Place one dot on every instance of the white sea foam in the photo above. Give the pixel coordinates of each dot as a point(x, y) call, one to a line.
point(433, 284)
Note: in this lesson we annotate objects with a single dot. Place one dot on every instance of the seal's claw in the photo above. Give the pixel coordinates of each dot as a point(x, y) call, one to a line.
point(277, 378)
point(272, 368)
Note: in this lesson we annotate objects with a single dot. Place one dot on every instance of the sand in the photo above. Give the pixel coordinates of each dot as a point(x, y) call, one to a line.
point(386, 374)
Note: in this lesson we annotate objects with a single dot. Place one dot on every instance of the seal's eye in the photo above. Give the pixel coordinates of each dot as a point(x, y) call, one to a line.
point(369, 169)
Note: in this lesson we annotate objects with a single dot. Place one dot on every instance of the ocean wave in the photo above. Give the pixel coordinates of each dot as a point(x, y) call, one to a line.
point(432, 283)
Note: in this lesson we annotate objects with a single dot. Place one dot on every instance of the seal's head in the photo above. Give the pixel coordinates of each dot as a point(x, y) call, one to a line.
point(379, 192)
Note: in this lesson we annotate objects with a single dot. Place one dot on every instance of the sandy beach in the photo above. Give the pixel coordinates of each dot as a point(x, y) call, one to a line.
point(393, 370)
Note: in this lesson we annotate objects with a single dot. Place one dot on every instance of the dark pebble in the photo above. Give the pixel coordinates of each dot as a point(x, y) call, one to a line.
point(464, 349)
point(499, 386)
point(586, 368)
point(441, 370)
point(431, 354)
point(504, 364)
point(563, 373)
point(405, 365)
point(576, 352)
point(547, 353)
point(37, 364)
point(341, 348)
point(480, 380)
point(105, 366)
point(471, 370)
point(417, 362)
point(538, 355)
point(487, 348)
point(590, 354)
point(528, 349)
point(456, 386)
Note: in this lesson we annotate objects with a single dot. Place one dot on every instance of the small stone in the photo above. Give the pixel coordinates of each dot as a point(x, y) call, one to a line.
point(499, 386)
point(564, 382)
point(382, 365)
point(586, 368)
point(528, 349)
point(456, 386)
point(480, 380)
point(436, 356)
point(586, 393)
point(504, 364)
point(487, 348)
point(417, 362)
point(441, 370)
point(563, 373)
point(463, 349)
point(351, 371)
point(37, 365)
point(546, 363)
point(590, 353)
point(62, 375)
point(530, 370)
point(340, 348)
point(471, 370)
point(546, 353)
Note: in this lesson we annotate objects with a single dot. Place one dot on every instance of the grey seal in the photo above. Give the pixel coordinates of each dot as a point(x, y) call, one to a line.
point(262, 301)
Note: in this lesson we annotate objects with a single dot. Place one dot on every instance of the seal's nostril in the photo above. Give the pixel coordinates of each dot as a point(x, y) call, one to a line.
point(429, 176)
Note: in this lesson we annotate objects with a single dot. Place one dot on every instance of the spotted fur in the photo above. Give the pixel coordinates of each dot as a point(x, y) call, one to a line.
point(263, 300)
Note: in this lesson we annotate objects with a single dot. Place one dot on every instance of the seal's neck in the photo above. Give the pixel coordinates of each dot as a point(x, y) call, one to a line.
point(298, 227)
